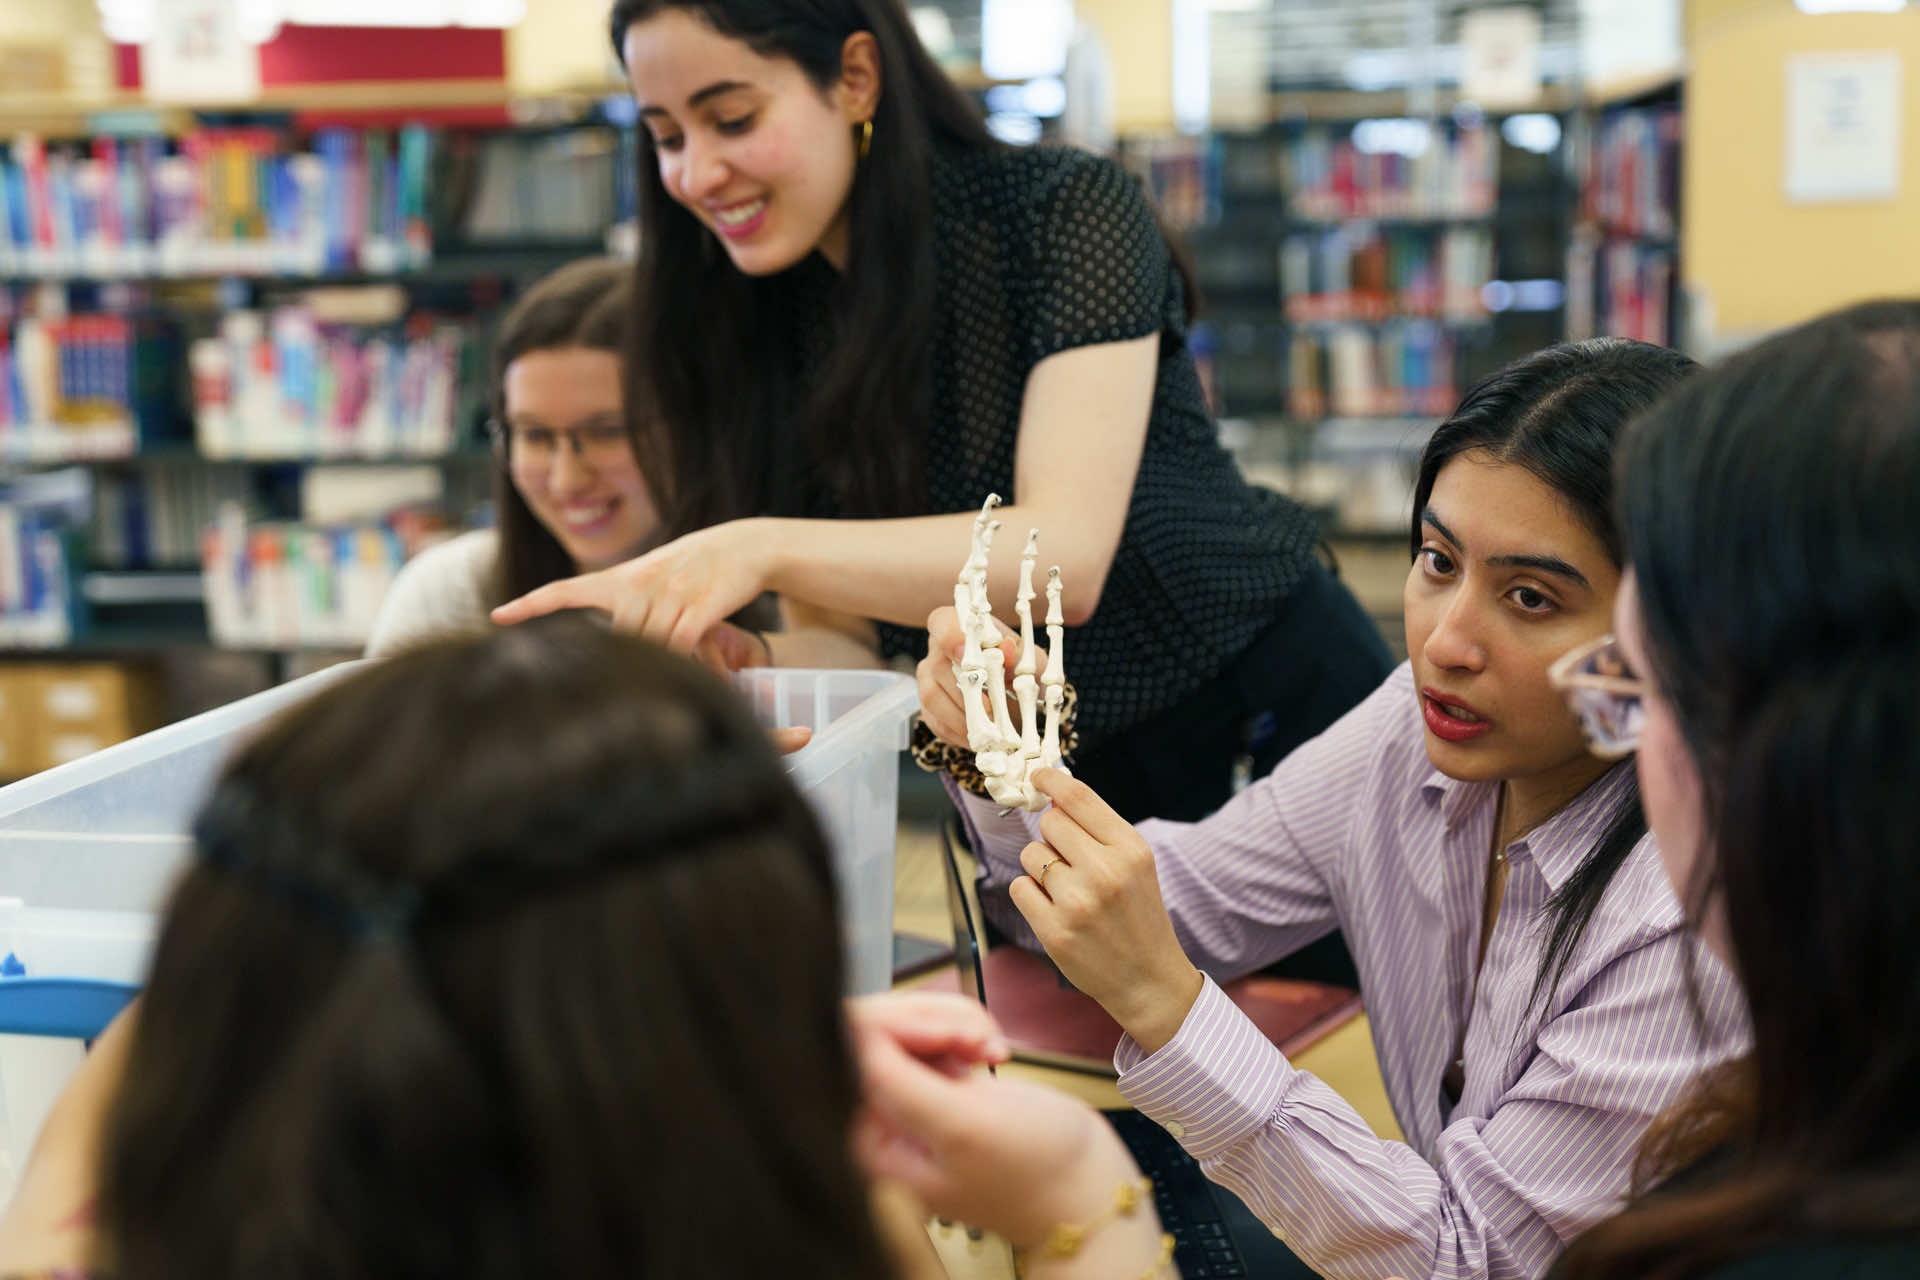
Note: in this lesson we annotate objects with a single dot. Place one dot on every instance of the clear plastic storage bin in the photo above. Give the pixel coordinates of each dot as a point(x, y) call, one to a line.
point(88, 851)
point(851, 773)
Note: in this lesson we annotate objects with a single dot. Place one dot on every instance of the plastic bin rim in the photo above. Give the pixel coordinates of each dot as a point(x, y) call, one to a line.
point(221, 722)
point(878, 722)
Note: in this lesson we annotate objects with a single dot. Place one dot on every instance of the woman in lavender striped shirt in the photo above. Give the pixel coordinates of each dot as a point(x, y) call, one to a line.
point(1519, 948)
point(1772, 606)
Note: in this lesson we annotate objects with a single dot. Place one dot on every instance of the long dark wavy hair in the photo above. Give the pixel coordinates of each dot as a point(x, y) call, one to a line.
point(1559, 413)
point(506, 957)
point(584, 304)
point(713, 364)
point(1772, 511)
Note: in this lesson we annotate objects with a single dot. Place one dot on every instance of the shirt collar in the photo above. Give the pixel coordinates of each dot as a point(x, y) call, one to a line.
point(1560, 844)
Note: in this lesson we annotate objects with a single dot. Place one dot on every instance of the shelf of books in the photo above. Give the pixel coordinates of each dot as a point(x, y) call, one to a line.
point(190, 323)
point(1355, 277)
point(1623, 263)
point(262, 201)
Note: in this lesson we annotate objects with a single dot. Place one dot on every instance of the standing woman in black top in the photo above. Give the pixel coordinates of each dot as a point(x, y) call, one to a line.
point(856, 310)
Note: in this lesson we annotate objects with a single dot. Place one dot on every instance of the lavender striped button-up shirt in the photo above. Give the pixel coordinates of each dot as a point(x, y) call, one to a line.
point(1356, 829)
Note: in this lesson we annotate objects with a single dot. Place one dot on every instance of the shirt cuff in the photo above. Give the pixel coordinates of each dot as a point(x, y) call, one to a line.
point(1218, 1080)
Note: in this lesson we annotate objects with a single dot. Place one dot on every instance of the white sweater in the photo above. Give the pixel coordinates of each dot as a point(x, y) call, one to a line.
point(442, 591)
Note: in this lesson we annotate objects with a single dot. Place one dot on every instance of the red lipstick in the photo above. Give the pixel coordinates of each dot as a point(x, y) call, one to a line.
point(1450, 719)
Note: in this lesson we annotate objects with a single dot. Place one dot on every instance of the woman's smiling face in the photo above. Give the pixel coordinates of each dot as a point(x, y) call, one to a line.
point(750, 145)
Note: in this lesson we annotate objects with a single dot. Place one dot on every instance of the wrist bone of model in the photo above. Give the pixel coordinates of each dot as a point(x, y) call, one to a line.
point(1007, 757)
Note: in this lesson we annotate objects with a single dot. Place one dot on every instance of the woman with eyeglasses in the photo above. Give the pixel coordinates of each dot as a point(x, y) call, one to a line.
point(1767, 669)
point(569, 493)
point(1520, 952)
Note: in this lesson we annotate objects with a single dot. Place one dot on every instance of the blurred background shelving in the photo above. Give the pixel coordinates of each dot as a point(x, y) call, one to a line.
point(243, 335)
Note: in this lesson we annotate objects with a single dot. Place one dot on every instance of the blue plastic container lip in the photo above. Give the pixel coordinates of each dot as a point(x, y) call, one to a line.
point(70, 1008)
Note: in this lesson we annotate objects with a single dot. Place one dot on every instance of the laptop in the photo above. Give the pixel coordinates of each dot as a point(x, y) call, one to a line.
point(1215, 1234)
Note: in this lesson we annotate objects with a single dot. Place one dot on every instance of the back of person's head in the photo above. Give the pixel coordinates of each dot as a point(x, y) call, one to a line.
point(584, 305)
point(1558, 414)
point(511, 956)
point(722, 393)
point(1772, 513)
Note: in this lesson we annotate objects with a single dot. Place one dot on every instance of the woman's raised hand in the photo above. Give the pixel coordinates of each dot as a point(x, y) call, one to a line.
point(1092, 895)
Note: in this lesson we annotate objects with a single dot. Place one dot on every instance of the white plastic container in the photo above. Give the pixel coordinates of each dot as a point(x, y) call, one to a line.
point(850, 773)
point(89, 851)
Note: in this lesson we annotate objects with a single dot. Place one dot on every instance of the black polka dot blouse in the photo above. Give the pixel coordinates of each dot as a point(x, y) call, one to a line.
point(1040, 250)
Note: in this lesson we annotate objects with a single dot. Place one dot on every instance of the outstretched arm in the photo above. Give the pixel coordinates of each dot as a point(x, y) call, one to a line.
point(1083, 425)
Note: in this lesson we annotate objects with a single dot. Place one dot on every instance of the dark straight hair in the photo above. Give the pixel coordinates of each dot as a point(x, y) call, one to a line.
point(1772, 510)
point(584, 304)
point(713, 366)
point(1558, 413)
point(504, 957)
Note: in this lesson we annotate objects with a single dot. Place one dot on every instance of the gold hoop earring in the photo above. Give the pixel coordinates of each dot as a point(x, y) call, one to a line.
point(866, 138)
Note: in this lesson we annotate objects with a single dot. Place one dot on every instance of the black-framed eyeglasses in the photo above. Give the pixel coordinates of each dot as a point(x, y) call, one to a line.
point(535, 444)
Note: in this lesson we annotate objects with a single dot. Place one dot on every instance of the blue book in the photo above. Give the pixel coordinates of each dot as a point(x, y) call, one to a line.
point(16, 394)
point(14, 225)
point(32, 573)
point(118, 371)
point(331, 146)
point(61, 195)
point(142, 212)
point(135, 531)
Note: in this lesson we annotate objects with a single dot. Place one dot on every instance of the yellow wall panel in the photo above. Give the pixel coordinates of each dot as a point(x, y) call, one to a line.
point(1760, 261)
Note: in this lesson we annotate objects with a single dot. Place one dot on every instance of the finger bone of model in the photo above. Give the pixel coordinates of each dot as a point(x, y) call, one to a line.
point(999, 758)
point(1024, 685)
point(980, 666)
point(1054, 679)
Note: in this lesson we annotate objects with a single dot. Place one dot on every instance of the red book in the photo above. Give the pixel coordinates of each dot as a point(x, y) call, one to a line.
point(1049, 1022)
point(33, 158)
point(106, 153)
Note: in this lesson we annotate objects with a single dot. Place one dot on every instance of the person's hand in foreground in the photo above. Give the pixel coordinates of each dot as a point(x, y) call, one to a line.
point(1013, 1157)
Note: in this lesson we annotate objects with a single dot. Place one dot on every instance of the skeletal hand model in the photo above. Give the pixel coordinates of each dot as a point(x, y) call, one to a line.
point(1006, 758)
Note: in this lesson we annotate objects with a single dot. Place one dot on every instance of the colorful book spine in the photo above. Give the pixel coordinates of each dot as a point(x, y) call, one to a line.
point(35, 576)
point(1370, 272)
point(1631, 185)
point(1404, 368)
point(217, 201)
point(286, 385)
point(288, 585)
point(1621, 288)
point(1439, 173)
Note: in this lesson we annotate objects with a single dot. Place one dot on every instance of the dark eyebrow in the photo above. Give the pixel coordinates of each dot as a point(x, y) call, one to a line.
point(713, 90)
point(591, 420)
point(1545, 564)
point(1427, 517)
